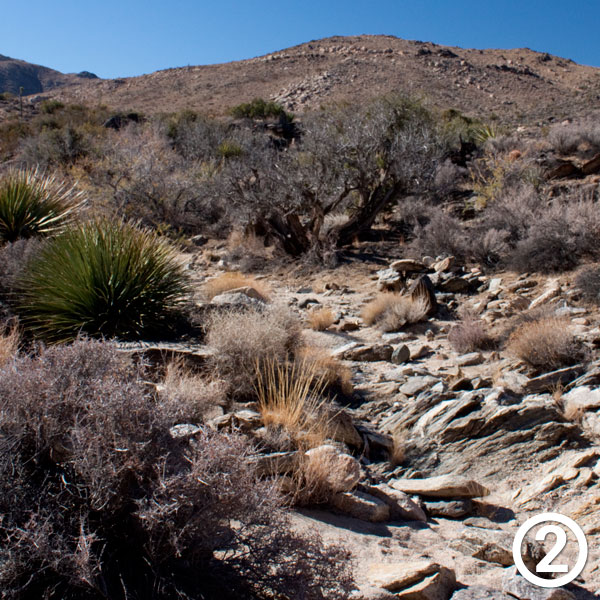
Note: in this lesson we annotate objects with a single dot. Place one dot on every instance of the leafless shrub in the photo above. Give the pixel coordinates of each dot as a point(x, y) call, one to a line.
point(321, 318)
point(392, 311)
point(98, 500)
point(469, 335)
point(588, 281)
point(14, 258)
point(572, 138)
point(243, 338)
point(545, 344)
point(443, 234)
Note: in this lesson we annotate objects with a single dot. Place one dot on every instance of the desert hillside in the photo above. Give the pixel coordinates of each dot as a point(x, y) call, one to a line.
point(516, 85)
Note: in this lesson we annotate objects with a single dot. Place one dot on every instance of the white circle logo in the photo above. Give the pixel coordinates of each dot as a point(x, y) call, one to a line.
point(546, 564)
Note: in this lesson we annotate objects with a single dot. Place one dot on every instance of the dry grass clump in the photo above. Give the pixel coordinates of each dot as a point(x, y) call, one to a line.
point(290, 397)
point(545, 344)
point(336, 375)
point(398, 452)
point(392, 311)
point(321, 318)
point(231, 281)
point(189, 396)
point(99, 501)
point(9, 344)
point(469, 335)
point(243, 338)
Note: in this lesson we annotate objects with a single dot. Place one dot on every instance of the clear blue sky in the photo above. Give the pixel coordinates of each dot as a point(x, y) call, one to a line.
point(117, 38)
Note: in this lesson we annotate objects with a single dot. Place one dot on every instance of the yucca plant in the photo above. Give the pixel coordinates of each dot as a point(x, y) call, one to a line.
point(103, 278)
point(35, 204)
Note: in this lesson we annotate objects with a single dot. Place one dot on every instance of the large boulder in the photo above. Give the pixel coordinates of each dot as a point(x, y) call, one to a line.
point(362, 506)
point(444, 486)
point(517, 586)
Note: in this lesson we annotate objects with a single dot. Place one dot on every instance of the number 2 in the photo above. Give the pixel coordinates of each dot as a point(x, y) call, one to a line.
point(545, 565)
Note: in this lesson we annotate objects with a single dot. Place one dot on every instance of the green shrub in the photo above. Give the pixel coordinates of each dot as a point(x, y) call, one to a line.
point(33, 204)
point(258, 109)
point(104, 278)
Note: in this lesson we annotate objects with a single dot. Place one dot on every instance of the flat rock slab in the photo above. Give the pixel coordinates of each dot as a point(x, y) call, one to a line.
point(516, 585)
point(444, 486)
point(364, 353)
point(416, 385)
point(435, 587)
point(408, 265)
point(397, 576)
point(402, 507)
point(478, 592)
point(449, 509)
point(362, 506)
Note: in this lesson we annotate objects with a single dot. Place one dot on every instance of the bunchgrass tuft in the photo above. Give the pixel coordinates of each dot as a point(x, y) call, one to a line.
point(34, 204)
point(104, 278)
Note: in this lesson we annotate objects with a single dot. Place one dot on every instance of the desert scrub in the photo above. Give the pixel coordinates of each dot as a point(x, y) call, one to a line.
point(33, 204)
point(99, 500)
point(104, 278)
point(335, 374)
point(392, 311)
point(588, 281)
point(241, 338)
point(545, 344)
point(469, 334)
point(321, 318)
point(232, 280)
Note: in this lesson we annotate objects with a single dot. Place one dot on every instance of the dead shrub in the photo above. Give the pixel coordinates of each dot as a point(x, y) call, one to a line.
point(336, 375)
point(99, 501)
point(588, 281)
point(233, 280)
point(545, 344)
point(321, 318)
point(469, 335)
point(576, 138)
point(442, 234)
point(392, 311)
point(9, 343)
point(189, 396)
point(243, 338)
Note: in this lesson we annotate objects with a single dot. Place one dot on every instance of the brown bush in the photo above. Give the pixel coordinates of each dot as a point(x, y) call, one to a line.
point(392, 311)
point(99, 501)
point(336, 375)
point(469, 335)
point(545, 344)
point(321, 318)
point(9, 343)
point(588, 281)
point(231, 281)
point(242, 339)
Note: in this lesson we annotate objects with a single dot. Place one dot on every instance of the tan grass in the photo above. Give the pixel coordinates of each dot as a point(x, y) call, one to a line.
point(231, 281)
point(321, 318)
point(9, 344)
point(335, 374)
point(545, 344)
point(398, 453)
point(392, 311)
point(290, 396)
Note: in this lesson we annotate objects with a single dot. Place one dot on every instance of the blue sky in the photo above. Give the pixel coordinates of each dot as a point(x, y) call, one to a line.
point(115, 38)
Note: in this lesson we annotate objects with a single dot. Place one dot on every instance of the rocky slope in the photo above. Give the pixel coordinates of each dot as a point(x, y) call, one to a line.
point(34, 79)
point(516, 85)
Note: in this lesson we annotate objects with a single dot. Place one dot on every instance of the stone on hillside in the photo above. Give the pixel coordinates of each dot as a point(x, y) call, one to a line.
point(416, 385)
point(343, 470)
point(495, 546)
point(402, 508)
point(494, 285)
point(184, 430)
point(397, 576)
point(444, 486)
point(237, 300)
point(400, 355)
point(444, 265)
point(548, 381)
point(389, 280)
point(470, 359)
point(581, 398)
point(422, 288)
point(342, 426)
point(409, 265)
point(362, 506)
point(449, 509)
point(477, 592)
point(364, 353)
point(516, 585)
point(438, 586)
point(454, 285)
point(552, 290)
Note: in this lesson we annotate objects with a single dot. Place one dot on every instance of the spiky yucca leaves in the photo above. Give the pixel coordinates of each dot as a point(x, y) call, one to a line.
point(103, 278)
point(33, 204)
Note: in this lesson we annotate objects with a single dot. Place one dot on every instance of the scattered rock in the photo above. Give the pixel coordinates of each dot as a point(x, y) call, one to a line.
point(478, 592)
point(416, 385)
point(444, 486)
point(277, 463)
point(581, 398)
point(389, 280)
point(408, 265)
point(402, 508)
point(362, 506)
point(449, 509)
point(364, 353)
point(344, 469)
point(471, 359)
point(236, 300)
point(401, 354)
point(397, 576)
point(435, 587)
point(553, 290)
point(184, 430)
point(516, 585)
point(548, 381)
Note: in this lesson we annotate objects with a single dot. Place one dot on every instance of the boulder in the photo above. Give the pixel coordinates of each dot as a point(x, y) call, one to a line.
point(389, 280)
point(416, 385)
point(449, 509)
point(581, 398)
point(470, 359)
point(402, 507)
point(409, 265)
point(236, 300)
point(364, 353)
point(361, 506)
point(516, 585)
point(444, 486)
point(344, 470)
point(397, 576)
point(401, 354)
point(438, 586)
